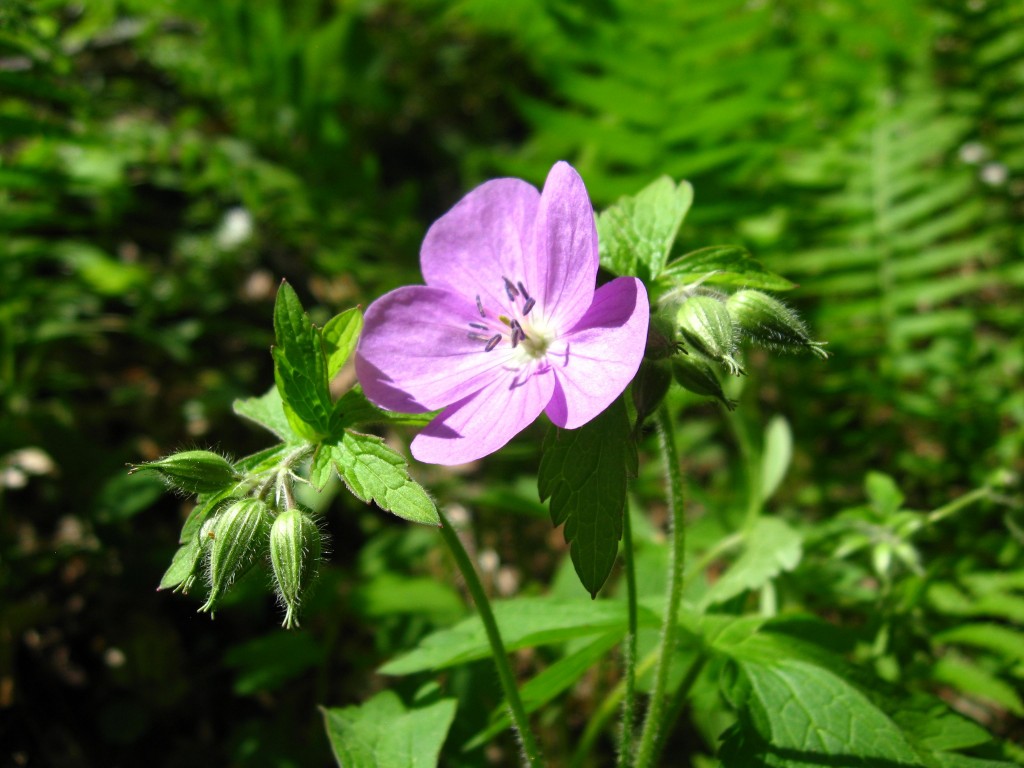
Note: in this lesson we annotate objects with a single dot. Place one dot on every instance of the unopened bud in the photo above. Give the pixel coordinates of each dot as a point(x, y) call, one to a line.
point(696, 375)
point(295, 544)
point(661, 339)
point(707, 326)
point(649, 388)
point(239, 536)
point(194, 471)
point(204, 543)
point(770, 323)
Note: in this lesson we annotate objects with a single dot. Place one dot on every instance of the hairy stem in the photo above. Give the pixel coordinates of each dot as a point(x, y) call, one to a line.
point(653, 723)
point(629, 648)
point(483, 605)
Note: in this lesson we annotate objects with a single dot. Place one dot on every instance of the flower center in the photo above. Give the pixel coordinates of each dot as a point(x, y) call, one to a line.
point(531, 340)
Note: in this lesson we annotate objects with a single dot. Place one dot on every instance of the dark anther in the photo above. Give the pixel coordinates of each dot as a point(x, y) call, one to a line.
point(528, 306)
point(522, 290)
point(480, 306)
point(493, 342)
point(479, 326)
point(510, 289)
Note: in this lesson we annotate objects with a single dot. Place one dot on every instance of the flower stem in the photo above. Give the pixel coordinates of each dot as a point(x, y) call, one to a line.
point(653, 723)
point(629, 648)
point(483, 605)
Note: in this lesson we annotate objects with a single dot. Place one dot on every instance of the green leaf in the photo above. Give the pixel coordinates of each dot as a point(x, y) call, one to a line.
point(266, 663)
point(340, 336)
point(770, 547)
point(383, 732)
point(181, 565)
point(728, 265)
point(545, 686)
point(205, 506)
point(353, 409)
point(883, 492)
point(373, 472)
point(586, 473)
point(778, 452)
point(524, 622)
point(300, 367)
point(636, 233)
point(963, 674)
point(1002, 640)
point(268, 412)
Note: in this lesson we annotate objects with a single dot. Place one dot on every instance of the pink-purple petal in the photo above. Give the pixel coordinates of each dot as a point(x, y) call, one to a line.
point(415, 353)
point(603, 353)
point(566, 248)
point(486, 237)
point(484, 422)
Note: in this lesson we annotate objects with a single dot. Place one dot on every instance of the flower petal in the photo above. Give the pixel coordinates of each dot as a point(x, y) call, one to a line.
point(603, 352)
point(415, 353)
point(485, 238)
point(566, 248)
point(484, 422)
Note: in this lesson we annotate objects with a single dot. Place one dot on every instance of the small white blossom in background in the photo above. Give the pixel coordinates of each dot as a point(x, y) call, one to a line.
point(235, 228)
point(994, 174)
point(973, 152)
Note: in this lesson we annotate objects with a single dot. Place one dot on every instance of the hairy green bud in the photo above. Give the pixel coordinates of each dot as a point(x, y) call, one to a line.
point(707, 326)
point(239, 536)
point(661, 339)
point(295, 545)
point(194, 471)
point(204, 543)
point(696, 375)
point(770, 323)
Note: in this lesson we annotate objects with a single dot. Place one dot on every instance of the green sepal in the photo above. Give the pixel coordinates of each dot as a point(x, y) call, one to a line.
point(770, 323)
point(239, 537)
point(707, 326)
point(295, 546)
point(193, 471)
point(697, 376)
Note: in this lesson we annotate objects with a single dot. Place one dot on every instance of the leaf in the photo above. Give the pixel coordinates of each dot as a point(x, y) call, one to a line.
point(340, 336)
point(976, 682)
point(268, 412)
point(636, 233)
point(353, 409)
point(1002, 640)
point(383, 732)
point(266, 663)
point(373, 472)
point(586, 473)
point(883, 492)
point(524, 622)
point(205, 506)
point(778, 452)
point(771, 546)
point(181, 565)
point(724, 265)
point(300, 367)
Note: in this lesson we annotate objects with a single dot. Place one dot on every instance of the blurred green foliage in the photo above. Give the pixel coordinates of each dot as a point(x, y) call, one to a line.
point(164, 164)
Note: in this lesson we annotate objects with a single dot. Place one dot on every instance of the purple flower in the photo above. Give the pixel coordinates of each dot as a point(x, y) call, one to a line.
point(509, 323)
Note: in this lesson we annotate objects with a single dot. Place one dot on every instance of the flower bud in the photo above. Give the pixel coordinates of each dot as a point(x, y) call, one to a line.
point(770, 323)
point(204, 543)
point(194, 471)
point(239, 536)
point(661, 340)
point(295, 555)
point(696, 375)
point(707, 326)
point(649, 388)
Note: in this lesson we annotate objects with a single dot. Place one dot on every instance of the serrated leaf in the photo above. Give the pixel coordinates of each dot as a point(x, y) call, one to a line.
point(636, 233)
point(586, 472)
point(524, 622)
point(340, 335)
point(300, 367)
point(383, 732)
point(778, 452)
point(267, 411)
point(181, 565)
point(770, 547)
point(728, 265)
point(373, 472)
point(353, 409)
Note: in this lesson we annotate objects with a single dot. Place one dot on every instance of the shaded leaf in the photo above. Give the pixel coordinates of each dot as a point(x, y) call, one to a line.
point(267, 411)
point(728, 265)
point(770, 547)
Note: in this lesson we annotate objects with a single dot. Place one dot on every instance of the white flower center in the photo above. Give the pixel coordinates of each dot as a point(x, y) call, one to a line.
point(529, 336)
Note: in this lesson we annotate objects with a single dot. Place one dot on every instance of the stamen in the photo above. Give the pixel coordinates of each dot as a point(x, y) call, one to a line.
point(517, 329)
point(493, 342)
point(476, 336)
point(522, 290)
point(528, 306)
point(479, 326)
point(515, 338)
point(480, 306)
point(510, 289)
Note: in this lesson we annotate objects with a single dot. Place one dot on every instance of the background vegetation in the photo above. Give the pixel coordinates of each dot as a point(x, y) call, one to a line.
point(164, 164)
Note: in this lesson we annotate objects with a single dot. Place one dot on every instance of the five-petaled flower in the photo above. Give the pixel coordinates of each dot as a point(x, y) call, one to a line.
point(509, 323)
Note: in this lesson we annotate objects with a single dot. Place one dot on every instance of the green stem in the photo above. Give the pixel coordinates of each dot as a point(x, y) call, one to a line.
point(483, 605)
point(629, 648)
point(675, 707)
point(653, 723)
point(956, 505)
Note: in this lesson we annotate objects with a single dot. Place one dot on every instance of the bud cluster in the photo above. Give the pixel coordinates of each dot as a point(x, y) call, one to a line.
point(707, 327)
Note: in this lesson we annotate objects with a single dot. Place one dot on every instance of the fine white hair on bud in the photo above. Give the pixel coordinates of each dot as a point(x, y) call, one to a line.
point(770, 323)
point(295, 547)
point(193, 471)
point(707, 326)
point(239, 536)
